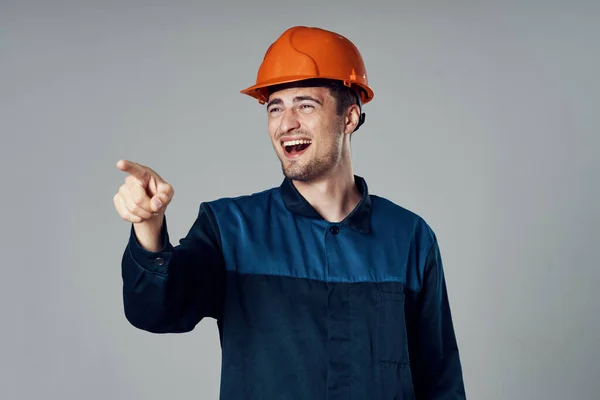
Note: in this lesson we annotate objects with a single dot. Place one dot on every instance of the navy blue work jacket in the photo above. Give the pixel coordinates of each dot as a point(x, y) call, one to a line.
point(306, 309)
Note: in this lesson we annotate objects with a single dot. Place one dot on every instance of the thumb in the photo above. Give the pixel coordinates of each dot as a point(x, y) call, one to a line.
point(156, 203)
point(162, 198)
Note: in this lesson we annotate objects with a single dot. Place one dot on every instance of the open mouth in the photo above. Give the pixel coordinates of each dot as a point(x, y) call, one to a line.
point(294, 148)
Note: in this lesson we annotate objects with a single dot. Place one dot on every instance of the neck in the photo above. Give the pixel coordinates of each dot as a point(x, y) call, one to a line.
point(333, 196)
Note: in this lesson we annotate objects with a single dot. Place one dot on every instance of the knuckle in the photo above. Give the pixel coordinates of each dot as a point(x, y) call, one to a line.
point(138, 200)
point(117, 204)
point(123, 214)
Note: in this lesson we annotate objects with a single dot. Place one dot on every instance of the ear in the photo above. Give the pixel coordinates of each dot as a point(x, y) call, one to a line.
point(352, 119)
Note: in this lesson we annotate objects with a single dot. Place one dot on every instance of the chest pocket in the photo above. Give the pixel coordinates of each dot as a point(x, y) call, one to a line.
point(392, 349)
point(391, 326)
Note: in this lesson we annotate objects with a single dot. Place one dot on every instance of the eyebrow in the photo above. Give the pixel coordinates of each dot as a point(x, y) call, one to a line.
point(296, 99)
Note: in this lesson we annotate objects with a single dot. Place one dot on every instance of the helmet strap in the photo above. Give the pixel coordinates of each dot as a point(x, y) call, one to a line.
point(361, 121)
point(363, 116)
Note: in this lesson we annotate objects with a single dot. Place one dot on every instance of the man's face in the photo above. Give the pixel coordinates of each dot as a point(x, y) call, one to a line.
point(306, 132)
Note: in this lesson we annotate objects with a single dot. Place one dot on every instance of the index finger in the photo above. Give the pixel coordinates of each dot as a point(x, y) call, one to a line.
point(132, 168)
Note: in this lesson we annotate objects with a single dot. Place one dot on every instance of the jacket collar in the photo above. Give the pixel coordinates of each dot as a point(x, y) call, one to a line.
point(359, 219)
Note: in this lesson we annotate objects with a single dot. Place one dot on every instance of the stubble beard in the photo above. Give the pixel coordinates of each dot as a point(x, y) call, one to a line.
point(314, 168)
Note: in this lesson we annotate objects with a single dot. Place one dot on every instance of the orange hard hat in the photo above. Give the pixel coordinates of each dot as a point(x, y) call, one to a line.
point(303, 53)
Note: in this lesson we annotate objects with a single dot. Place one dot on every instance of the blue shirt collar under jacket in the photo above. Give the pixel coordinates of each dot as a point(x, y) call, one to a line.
point(359, 219)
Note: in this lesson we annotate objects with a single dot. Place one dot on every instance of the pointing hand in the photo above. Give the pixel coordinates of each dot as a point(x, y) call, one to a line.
point(144, 195)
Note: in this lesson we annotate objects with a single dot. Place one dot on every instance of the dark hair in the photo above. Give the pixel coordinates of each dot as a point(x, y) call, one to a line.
point(344, 97)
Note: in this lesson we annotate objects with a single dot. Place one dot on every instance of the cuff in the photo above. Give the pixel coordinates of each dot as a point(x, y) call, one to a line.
point(153, 261)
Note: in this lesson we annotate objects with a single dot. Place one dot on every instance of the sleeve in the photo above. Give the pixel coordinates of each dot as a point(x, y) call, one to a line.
point(434, 357)
point(173, 289)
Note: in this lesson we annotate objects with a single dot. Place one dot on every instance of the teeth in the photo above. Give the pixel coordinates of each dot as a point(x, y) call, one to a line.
point(296, 142)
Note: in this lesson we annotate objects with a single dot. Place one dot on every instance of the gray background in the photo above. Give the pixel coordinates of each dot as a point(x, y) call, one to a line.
point(485, 122)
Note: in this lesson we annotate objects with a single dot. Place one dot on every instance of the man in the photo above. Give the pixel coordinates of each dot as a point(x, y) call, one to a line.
point(320, 290)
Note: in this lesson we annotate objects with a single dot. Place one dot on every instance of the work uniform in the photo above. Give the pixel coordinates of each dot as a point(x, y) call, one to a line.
point(306, 309)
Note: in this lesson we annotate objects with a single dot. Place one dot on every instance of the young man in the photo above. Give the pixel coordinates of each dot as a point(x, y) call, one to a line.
point(320, 290)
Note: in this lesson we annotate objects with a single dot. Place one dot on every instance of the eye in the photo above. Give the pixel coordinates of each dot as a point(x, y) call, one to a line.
point(306, 107)
point(274, 110)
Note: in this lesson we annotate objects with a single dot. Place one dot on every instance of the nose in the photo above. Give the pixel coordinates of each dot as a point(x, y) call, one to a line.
point(289, 121)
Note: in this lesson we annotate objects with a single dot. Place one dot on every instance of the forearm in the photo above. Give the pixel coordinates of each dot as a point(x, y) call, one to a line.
point(151, 298)
point(173, 288)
